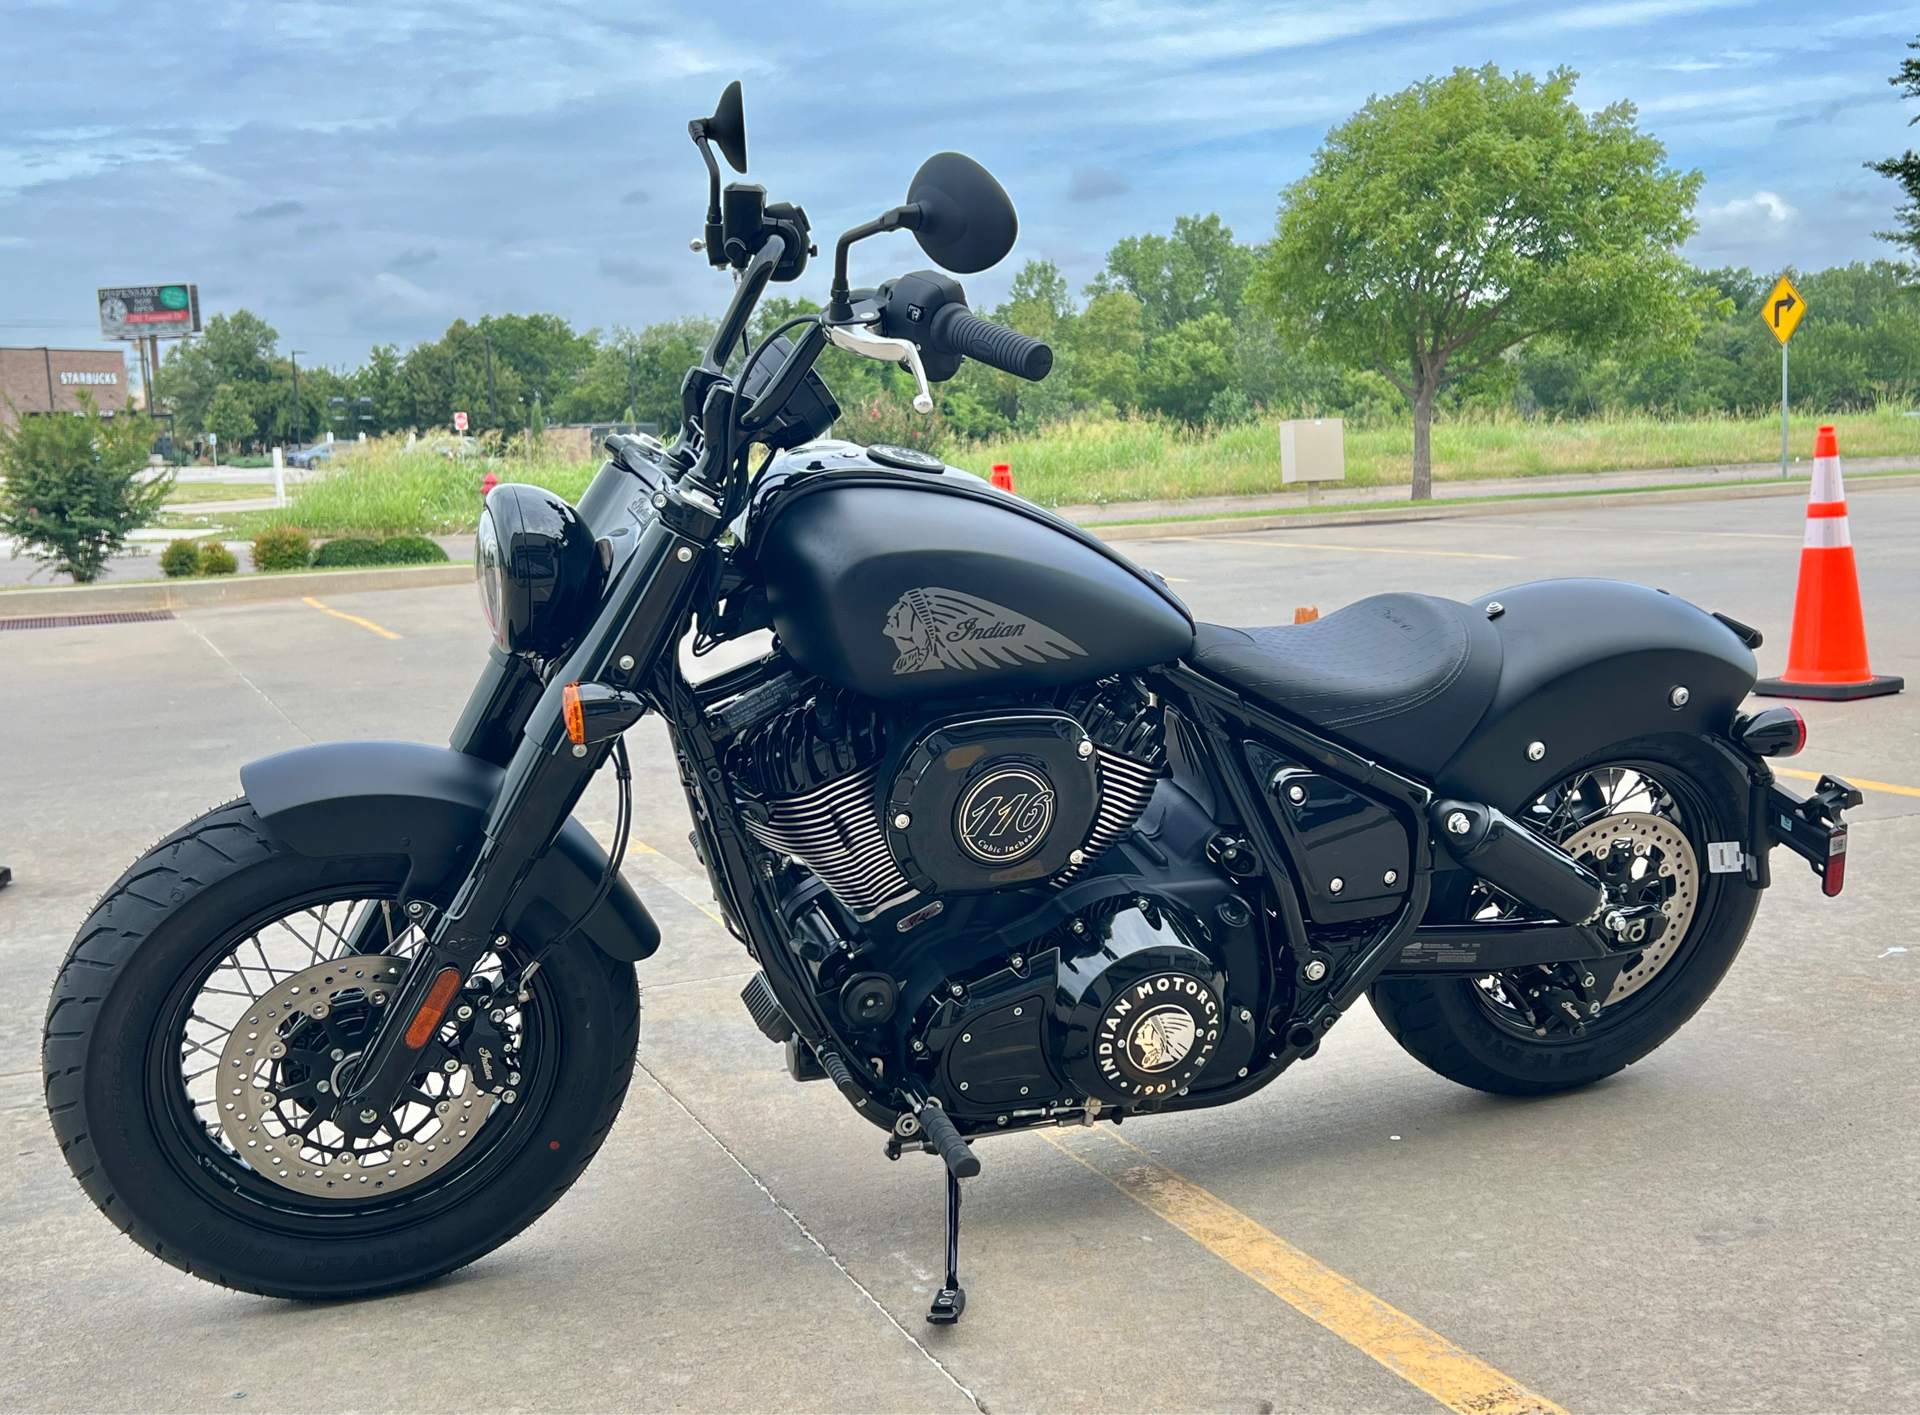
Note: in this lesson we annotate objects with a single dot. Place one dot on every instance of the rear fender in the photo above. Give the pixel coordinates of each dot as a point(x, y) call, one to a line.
point(1587, 663)
point(430, 805)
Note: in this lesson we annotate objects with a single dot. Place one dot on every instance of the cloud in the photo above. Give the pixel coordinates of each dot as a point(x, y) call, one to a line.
point(1766, 209)
point(1094, 183)
point(625, 270)
point(500, 150)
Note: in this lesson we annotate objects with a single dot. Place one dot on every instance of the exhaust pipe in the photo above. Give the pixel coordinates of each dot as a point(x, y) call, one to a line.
point(1506, 854)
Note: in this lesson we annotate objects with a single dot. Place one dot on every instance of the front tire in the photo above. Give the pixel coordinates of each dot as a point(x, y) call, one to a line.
point(1460, 1028)
point(129, 1043)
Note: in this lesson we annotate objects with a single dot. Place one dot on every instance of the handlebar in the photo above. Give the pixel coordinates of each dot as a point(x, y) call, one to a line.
point(957, 330)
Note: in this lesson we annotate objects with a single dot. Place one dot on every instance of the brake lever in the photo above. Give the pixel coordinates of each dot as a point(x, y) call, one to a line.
point(887, 351)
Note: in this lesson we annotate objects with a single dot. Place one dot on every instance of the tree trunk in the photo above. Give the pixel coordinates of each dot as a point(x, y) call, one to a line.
point(1422, 437)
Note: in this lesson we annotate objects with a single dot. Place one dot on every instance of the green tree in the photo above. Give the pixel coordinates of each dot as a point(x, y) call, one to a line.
point(72, 491)
point(1188, 366)
point(635, 376)
point(230, 418)
point(1198, 270)
point(237, 350)
point(1905, 169)
point(1445, 224)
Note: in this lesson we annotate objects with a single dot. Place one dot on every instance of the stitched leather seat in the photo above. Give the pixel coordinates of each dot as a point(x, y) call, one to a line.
point(1403, 677)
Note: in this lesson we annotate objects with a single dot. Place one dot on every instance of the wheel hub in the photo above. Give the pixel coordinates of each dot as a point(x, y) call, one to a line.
point(287, 1058)
point(1643, 859)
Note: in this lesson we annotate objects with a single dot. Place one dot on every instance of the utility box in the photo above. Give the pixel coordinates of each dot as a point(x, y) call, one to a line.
point(1313, 450)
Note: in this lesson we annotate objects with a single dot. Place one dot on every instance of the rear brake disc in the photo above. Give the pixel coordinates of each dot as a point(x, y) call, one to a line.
point(1652, 859)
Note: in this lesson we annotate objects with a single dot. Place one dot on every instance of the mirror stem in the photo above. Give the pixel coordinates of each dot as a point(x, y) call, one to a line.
point(839, 300)
point(715, 235)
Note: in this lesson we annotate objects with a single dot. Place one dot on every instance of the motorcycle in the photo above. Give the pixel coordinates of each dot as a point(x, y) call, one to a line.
point(1012, 840)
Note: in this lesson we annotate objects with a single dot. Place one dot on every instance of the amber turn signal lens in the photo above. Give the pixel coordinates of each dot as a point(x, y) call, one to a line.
point(427, 1020)
point(576, 718)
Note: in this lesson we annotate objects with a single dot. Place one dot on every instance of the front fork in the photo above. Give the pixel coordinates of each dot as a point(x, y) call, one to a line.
point(638, 621)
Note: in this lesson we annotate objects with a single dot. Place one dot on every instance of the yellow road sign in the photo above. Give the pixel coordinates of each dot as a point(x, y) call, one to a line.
point(1783, 309)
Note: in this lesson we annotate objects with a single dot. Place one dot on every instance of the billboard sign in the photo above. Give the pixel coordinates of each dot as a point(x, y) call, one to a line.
point(149, 311)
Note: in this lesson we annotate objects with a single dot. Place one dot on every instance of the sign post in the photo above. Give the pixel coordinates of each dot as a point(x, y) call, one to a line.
point(1782, 313)
point(459, 422)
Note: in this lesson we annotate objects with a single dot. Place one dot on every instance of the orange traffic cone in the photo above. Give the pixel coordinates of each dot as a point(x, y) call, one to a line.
point(1003, 476)
point(1828, 655)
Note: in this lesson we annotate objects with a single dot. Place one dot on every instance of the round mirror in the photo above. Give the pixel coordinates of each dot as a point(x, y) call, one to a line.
point(966, 219)
point(728, 128)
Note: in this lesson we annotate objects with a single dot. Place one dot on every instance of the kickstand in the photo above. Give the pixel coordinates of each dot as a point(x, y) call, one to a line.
point(952, 1299)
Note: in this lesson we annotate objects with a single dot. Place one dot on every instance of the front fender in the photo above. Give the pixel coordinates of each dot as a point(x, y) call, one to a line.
point(1585, 664)
point(430, 804)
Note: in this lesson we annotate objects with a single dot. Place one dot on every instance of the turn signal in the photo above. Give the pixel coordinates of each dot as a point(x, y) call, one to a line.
point(596, 713)
point(1772, 732)
point(576, 717)
point(427, 1020)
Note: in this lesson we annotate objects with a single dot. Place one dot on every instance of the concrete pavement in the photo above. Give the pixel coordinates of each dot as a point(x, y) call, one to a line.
point(1728, 1225)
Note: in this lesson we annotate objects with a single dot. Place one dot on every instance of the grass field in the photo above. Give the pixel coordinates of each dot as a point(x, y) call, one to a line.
point(1095, 462)
point(383, 488)
point(190, 492)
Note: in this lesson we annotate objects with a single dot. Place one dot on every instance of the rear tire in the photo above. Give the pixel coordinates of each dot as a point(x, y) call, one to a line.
point(1447, 1024)
point(114, 1069)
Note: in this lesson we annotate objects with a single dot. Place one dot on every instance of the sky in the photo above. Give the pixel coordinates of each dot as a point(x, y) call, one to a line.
point(363, 172)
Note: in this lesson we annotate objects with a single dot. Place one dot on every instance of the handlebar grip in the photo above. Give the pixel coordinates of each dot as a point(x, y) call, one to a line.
point(957, 330)
point(946, 1139)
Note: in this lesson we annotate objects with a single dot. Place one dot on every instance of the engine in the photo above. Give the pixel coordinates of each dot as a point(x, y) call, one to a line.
point(1013, 902)
point(898, 817)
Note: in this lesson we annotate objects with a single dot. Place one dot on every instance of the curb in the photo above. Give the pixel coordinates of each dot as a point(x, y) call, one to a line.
point(234, 589)
point(1460, 510)
point(250, 589)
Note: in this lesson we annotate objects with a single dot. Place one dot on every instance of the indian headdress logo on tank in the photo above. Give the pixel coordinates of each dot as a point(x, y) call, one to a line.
point(936, 628)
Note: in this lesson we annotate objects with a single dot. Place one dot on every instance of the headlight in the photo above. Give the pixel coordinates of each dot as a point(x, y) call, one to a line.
point(539, 572)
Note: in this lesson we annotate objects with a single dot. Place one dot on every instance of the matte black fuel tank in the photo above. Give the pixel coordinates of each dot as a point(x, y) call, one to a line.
point(914, 585)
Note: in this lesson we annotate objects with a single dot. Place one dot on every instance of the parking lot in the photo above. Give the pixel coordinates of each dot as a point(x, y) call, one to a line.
point(1732, 1224)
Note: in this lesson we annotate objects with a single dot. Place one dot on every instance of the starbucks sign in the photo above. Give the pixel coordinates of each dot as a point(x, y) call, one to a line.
point(149, 311)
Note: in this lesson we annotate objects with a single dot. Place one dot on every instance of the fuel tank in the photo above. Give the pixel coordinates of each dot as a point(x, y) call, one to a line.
point(891, 574)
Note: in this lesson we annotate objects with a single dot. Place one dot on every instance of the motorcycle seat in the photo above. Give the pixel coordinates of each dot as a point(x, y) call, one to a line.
point(1402, 677)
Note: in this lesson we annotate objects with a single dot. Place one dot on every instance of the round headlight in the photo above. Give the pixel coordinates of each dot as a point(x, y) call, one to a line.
point(538, 570)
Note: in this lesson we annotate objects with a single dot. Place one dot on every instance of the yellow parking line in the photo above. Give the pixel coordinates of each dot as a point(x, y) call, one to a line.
point(350, 618)
point(1358, 549)
point(1411, 1351)
point(1861, 782)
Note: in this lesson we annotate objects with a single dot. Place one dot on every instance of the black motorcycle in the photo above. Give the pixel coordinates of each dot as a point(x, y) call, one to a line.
point(1013, 841)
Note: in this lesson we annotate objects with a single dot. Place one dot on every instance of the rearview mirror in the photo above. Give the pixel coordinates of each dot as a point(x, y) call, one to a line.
point(966, 220)
point(727, 128)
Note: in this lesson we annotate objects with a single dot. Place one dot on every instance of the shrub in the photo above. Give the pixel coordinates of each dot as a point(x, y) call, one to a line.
point(72, 492)
point(216, 559)
point(412, 550)
point(358, 550)
point(180, 558)
point(281, 548)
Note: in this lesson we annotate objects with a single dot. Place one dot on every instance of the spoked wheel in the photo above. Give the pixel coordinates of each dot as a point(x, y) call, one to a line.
point(274, 1032)
point(214, 1005)
point(1641, 820)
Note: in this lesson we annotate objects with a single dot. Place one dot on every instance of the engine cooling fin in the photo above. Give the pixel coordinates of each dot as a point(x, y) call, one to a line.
point(836, 830)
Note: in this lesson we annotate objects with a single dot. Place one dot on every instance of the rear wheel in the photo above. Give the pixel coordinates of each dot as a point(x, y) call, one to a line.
point(204, 1022)
point(1641, 815)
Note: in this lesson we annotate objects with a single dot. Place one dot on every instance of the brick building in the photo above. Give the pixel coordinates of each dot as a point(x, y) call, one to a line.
point(52, 380)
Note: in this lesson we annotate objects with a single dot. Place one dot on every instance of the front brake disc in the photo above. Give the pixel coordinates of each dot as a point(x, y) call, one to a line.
point(281, 1072)
point(1654, 863)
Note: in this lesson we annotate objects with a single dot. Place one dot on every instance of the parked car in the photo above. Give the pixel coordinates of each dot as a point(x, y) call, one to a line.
point(315, 456)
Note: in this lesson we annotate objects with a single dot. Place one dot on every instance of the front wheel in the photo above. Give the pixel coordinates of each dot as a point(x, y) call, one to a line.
point(1641, 815)
point(207, 1016)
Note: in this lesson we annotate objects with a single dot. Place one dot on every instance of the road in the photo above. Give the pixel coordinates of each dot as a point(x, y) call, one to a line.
point(1729, 1225)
